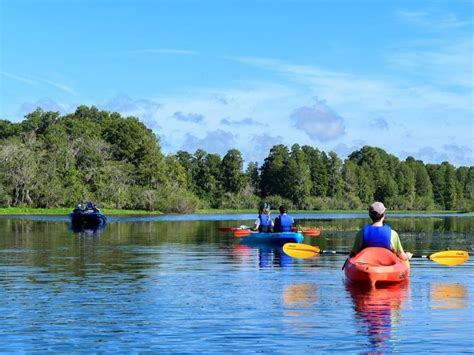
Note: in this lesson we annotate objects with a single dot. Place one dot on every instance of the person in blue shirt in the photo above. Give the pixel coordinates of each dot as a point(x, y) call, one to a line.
point(284, 222)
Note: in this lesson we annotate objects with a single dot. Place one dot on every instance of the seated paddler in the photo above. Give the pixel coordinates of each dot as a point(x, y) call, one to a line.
point(264, 223)
point(284, 222)
point(378, 234)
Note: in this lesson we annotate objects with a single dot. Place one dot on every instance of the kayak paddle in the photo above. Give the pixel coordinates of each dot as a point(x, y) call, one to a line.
point(230, 229)
point(242, 232)
point(311, 232)
point(307, 232)
point(446, 257)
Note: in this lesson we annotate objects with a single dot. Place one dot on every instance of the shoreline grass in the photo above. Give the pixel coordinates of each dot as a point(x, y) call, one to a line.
point(65, 211)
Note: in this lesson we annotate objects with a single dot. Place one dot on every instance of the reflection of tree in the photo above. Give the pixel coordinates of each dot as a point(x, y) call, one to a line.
point(448, 295)
point(121, 247)
point(377, 311)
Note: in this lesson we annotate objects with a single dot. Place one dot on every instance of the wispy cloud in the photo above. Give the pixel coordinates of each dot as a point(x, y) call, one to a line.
point(35, 81)
point(432, 20)
point(379, 123)
point(20, 78)
point(246, 121)
point(156, 51)
point(60, 86)
point(439, 62)
point(190, 117)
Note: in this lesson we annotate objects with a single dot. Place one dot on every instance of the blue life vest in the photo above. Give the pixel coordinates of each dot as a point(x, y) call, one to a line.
point(286, 222)
point(377, 236)
point(265, 220)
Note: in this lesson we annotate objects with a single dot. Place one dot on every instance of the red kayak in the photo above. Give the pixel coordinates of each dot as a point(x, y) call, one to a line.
point(377, 266)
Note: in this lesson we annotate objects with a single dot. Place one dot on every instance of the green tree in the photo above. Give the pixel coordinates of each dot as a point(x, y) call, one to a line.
point(273, 176)
point(437, 174)
point(335, 185)
point(405, 178)
point(450, 190)
point(366, 184)
point(253, 178)
point(298, 177)
point(233, 178)
point(351, 184)
point(19, 169)
point(318, 166)
point(39, 120)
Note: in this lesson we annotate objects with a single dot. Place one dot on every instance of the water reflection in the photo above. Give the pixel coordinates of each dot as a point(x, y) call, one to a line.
point(273, 257)
point(448, 295)
point(377, 311)
point(299, 303)
point(91, 231)
point(300, 295)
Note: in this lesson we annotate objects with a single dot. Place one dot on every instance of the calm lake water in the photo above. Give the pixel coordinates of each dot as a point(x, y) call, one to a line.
point(176, 284)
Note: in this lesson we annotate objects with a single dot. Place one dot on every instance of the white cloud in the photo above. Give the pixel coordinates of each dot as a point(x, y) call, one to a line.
point(145, 110)
point(217, 141)
point(319, 122)
point(461, 154)
point(46, 104)
point(343, 150)
point(455, 154)
point(260, 146)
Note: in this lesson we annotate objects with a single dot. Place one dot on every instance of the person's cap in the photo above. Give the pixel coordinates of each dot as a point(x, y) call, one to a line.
point(377, 207)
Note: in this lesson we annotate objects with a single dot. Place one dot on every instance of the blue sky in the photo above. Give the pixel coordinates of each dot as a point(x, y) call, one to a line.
point(217, 75)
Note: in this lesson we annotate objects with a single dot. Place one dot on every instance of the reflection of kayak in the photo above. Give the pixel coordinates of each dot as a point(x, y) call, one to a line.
point(87, 218)
point(376, 266)
point(377, 312)
point(273, 238)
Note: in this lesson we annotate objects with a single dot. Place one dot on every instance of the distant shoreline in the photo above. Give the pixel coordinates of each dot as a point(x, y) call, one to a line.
point(65, 211)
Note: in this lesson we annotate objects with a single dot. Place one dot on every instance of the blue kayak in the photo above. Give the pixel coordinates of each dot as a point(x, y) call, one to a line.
point(87, 218)
point(279, 238)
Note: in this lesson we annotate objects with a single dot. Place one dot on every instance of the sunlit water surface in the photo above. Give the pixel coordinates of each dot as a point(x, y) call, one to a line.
point(176, 284)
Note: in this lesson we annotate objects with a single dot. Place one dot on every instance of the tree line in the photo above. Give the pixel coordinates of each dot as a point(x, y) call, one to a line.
point(49, 160)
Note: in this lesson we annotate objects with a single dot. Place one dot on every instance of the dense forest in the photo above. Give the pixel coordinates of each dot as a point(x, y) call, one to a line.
point(49, 160)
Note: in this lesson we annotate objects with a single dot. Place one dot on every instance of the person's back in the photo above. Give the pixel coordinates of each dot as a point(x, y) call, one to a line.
point(266, 223)
point(378, 234)
point(284, 222)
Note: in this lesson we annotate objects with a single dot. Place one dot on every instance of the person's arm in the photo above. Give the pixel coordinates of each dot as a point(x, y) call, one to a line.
point(257, 224)
point(276, 225)
point(357, 246)
point(397, 248)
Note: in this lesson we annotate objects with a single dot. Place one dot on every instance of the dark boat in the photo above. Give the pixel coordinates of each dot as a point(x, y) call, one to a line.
point(87, 216)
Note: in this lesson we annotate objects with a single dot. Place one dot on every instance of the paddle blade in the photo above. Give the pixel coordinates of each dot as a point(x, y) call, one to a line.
point(450, 257)
point(241, 233)
point(225, 229)
point(311, 232)
point(296, 250)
